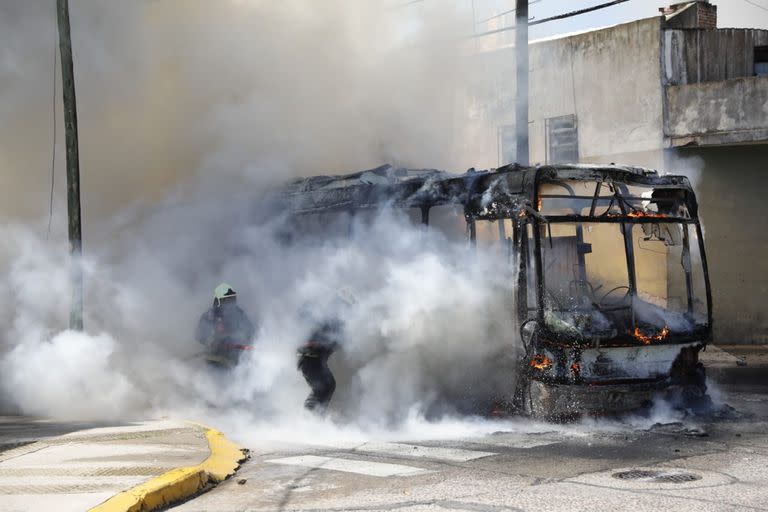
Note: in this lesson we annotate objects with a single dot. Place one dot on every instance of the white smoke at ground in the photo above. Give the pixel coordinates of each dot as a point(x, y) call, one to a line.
point(428, 344)
point(432, 318)
point(430, 337)
point(203, 106)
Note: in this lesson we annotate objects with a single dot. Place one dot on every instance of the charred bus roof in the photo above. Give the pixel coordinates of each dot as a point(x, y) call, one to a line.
point(488, 194)
point(597, 334)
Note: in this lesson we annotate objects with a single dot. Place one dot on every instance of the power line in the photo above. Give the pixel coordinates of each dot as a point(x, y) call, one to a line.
point(506, 12)
point(750, 2)
point(580, 11)
point(554, 18)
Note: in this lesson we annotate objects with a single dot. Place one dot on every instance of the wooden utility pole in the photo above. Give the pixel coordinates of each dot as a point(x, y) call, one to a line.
point(73, 167)
point(521, 99)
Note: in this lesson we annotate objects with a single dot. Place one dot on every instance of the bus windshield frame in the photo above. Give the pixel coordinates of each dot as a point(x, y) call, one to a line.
point(651, 232)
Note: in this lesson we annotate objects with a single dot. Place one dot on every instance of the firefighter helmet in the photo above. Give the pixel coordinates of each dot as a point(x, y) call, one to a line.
point(223, 291)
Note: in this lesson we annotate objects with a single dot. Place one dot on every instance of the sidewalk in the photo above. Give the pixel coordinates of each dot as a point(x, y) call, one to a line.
point(167, 460)
point(752, 355)
point(739, 365)
point(722, 355)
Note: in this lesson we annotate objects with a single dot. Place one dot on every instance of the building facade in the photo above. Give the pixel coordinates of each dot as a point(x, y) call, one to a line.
point(673, 92)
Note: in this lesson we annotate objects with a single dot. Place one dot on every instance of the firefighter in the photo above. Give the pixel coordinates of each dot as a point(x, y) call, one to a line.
point(688, 382)
point(313, 355)
point(225, 329)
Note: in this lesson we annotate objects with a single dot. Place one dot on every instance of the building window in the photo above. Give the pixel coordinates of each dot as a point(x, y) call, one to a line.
point(761, 61)
point(507, 143)
point(562, 140)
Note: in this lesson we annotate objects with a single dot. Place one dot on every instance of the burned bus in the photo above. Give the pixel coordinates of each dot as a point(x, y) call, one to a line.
point(611, 296)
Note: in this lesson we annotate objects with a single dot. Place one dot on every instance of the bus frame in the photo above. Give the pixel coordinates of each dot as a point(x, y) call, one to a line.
point(551, 381)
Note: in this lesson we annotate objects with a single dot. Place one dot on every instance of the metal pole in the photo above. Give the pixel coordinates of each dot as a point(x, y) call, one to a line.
point(521, 100)
point(474, 25)
point(73, 167)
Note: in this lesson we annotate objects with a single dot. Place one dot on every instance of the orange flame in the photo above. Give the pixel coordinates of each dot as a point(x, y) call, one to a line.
point(640, 213)
point(576, 368)
point(540, 362)
point(647, 340)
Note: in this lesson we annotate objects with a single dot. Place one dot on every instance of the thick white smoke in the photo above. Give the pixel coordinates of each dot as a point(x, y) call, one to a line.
point(431, 322)
point(187, 113)
point(70, 375)
point(690, 166)
point(234, 90)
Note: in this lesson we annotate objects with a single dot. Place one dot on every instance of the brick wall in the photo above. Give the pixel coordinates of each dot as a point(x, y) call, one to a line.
point(707, 16)
point(691, 15)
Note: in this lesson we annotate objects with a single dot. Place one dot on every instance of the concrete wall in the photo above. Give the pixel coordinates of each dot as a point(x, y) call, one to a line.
point(731, 186)
point(739, 105)
point(618, 101)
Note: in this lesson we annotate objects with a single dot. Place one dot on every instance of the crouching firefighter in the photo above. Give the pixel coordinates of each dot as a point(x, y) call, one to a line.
point(313, 355)
point(225, 329)
point(688, 383)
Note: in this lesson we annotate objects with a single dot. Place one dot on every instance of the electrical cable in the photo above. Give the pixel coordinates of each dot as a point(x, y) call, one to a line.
point(555, 18)
point(53, 148)
point(506, 12)
point(750, 2)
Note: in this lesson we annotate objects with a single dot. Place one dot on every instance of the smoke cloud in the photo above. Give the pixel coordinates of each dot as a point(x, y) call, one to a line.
point(690, 166)
point(430, 319)
point(189, 113)
point(249, 91)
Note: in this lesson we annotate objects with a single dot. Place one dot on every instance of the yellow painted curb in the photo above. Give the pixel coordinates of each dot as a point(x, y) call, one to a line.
point(180, 483)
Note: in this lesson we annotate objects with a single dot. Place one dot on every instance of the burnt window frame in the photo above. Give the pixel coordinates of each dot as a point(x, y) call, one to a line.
point(541, 231)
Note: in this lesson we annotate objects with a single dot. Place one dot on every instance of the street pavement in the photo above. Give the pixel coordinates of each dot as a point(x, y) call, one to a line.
point(637, 464)
point(64, 467)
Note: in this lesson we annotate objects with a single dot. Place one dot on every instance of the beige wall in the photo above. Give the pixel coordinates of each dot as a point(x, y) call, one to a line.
point(611, 79)
point(732, 205)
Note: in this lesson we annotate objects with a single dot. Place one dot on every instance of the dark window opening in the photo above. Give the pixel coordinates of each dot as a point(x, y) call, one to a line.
point(562, 140)
point(761, 61)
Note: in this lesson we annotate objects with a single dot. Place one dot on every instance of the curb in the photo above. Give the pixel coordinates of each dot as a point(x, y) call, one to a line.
point(180, 483)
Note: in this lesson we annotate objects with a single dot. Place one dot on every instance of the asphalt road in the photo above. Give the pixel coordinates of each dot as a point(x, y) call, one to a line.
point(633, 465)
point(17, 431)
